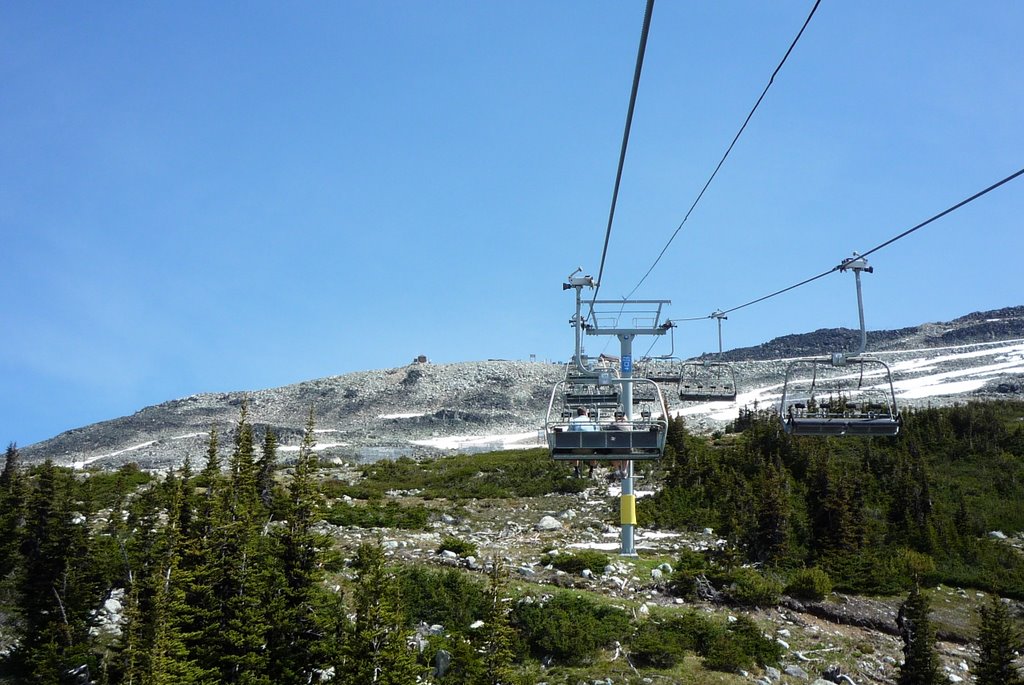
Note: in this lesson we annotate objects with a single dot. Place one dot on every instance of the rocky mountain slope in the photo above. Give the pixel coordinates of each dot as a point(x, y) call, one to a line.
point(426, 408)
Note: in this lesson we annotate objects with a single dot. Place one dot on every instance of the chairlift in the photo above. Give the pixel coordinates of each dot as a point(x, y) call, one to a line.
point(846, 394)
point(707, 380)
point(599, 436)
point(594, 389)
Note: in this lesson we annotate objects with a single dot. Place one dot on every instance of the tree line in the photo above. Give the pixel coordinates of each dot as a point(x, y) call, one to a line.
point(223, 577)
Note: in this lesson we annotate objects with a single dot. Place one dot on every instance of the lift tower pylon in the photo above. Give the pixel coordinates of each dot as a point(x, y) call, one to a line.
point(625, 320)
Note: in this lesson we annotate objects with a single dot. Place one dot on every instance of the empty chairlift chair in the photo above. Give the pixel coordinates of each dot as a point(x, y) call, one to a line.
point(707, 381)
point(839, 395)
point(846, 394)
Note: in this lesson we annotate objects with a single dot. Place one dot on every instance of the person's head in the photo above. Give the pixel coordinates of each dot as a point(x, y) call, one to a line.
point(620, 416)
point(581, 411)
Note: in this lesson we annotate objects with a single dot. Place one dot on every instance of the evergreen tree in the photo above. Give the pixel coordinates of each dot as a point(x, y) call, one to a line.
point(239, 569)
point(771, 541)
point(296, 637)
point(375, 651)
point(265, 468)
point(920, 662)
point(54, 592)
point(498, 636)
point(201, 610)
point(12, 516)
point(998, 642)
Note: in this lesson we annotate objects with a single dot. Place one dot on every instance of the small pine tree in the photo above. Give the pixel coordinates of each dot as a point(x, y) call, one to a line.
point(295, 638)
point(375, 651)
point(12, 511)
point(998, 639)
point(920, 662)
point(265, 468)
point(498, 636)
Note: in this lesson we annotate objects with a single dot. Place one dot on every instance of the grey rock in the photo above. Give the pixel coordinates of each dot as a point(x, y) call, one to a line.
point(442, 662)
point(794, 671)
point(548, 523)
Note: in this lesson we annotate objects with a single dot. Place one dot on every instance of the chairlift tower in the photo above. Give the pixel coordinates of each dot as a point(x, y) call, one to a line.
point(605, 318)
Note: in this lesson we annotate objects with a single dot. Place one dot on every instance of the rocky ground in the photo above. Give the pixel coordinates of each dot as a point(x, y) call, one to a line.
point(849, 636)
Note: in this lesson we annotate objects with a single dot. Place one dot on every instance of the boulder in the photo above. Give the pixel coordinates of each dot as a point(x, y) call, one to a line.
point(548, 523)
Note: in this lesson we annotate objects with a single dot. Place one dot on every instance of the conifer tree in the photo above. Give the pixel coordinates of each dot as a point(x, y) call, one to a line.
point(375, 651)
point(54, 590)
point(201, 610)
point(771, 542)
point(265, 468)
point(169, 659)
point(12, 515)
point(998, 642)
point(920, 662)
point(239, 569)
point(498, 636)
point(295, 636)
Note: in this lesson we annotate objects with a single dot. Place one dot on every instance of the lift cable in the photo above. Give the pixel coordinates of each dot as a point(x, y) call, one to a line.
point(924, 223)
point(731, 145)
point(625, 142)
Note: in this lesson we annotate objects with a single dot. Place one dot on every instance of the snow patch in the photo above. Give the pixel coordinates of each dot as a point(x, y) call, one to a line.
point(85, 462)
point(508, 441)
point(317, 447)
point(405, 415)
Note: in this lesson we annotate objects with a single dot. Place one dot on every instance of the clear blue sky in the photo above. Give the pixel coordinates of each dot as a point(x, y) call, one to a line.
point(200, 197)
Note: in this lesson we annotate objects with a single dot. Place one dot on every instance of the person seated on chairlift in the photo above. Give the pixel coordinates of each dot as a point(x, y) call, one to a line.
point(620, 423)
point(581, 422)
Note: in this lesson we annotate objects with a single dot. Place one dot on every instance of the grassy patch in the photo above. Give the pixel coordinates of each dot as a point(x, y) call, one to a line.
point(377, 515)
point(519, 473)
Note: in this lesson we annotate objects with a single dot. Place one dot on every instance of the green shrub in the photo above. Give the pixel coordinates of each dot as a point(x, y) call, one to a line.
point(750, 588)
point(726, 656)
point(513, 473)
point(577, 561)
point(449, 597)
point(740, 646)
point(663, 640)
point(376, 515)
point(464, 548)
point(103, 488)
point(570, 627)
point(765, 651)
point(810, 583)
point(689, 565)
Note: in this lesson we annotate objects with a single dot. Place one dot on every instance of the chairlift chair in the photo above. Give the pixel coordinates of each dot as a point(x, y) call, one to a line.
point(661, 370)
point(594, 390)
point(852, 406)
point(707, 381)
point(600, 438)
point(853, 400)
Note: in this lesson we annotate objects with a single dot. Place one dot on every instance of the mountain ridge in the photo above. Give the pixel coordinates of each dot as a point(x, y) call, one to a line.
point(417, 409)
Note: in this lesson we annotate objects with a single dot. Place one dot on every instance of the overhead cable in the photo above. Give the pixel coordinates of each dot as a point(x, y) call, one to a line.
point(904, 234)
point(728, 150)
point(955, 207)
point(625, 142)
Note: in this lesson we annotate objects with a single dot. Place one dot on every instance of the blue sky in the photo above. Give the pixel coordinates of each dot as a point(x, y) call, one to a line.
point(205, 197)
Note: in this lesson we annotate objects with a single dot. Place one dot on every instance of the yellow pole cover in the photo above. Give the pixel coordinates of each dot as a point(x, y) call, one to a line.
point(627, 504)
